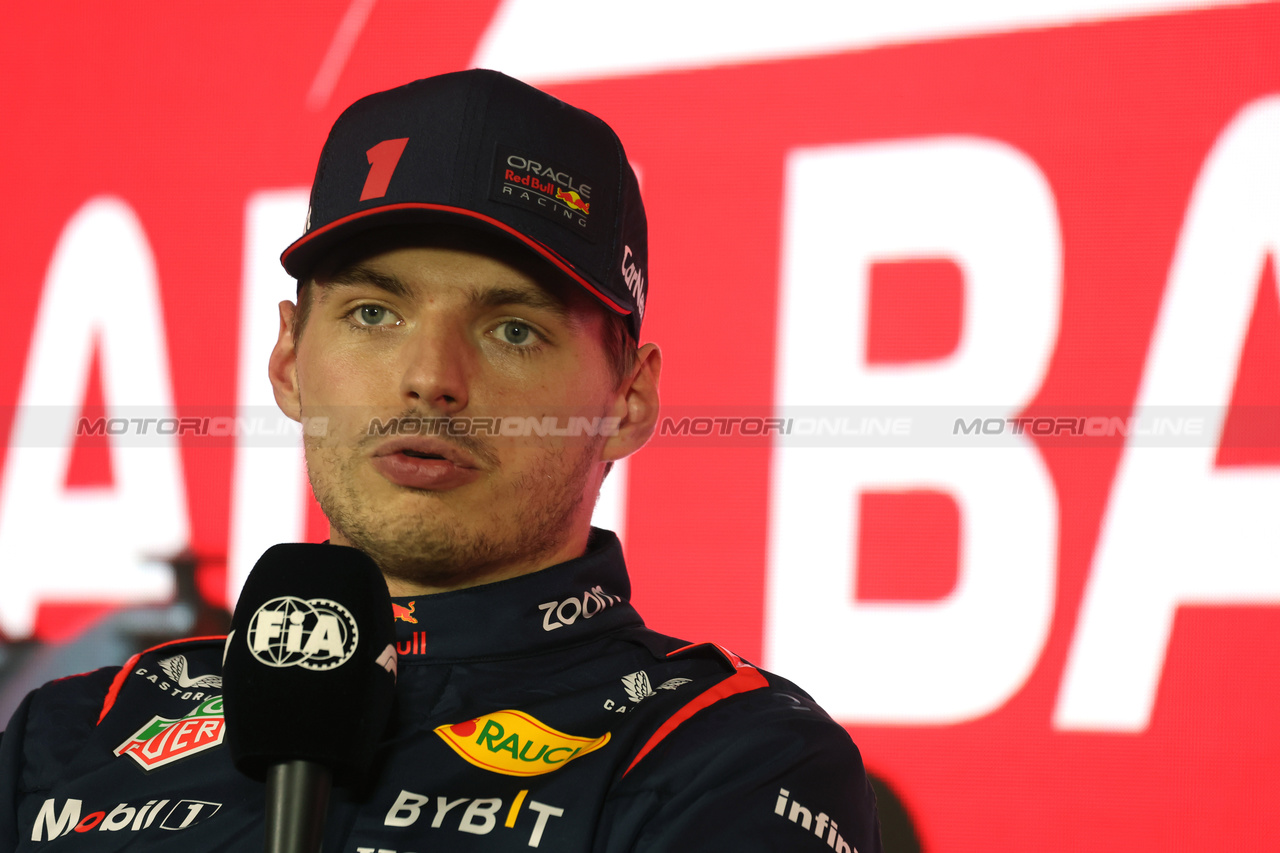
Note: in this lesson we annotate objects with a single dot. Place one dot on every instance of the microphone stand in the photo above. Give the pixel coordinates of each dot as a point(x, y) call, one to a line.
point(297, 799)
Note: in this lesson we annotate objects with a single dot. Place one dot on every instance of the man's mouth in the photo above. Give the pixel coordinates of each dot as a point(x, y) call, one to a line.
point(423, 447)
point(426, 464)
point(418, 455)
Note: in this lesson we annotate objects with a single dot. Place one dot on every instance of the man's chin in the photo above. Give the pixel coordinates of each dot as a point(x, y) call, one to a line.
point(489, 529)
point(415, 545)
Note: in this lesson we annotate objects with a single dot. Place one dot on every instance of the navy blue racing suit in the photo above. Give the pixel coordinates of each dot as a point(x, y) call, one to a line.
point(536, 712)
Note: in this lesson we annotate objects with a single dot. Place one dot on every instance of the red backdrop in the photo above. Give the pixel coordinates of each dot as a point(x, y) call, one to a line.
point(1074, 221)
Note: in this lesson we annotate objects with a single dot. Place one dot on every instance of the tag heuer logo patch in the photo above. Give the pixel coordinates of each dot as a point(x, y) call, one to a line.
point(163, 741)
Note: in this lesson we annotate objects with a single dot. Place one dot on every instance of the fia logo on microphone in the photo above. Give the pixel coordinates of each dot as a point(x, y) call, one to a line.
point(316, 634)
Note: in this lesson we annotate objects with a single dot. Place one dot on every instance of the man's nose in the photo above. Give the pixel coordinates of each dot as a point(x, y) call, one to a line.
point(437, 365)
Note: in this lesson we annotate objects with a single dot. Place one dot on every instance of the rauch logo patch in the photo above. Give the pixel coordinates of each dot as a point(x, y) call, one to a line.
point(516, 744)
point(163, 741)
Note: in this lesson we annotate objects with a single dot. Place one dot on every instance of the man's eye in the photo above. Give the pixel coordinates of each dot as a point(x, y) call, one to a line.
point(516, 332)
point(375, 315)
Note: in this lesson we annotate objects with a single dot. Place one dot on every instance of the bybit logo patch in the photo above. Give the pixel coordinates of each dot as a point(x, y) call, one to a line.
point(516, 744)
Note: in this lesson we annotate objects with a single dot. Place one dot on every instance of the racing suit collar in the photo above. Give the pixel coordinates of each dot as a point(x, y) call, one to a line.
point(561, 605)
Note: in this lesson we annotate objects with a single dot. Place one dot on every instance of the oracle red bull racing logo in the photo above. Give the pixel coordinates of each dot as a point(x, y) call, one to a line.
point(549, 189)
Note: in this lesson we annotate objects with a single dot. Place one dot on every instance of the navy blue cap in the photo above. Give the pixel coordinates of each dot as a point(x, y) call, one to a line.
point(482, 149)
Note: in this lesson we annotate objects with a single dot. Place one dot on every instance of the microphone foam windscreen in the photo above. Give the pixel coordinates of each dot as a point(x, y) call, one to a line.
point(310, 666)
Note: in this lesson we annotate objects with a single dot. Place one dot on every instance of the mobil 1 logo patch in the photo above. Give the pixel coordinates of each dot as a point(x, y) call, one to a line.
point(54, 820)
point(315, 633)
point(557, 192)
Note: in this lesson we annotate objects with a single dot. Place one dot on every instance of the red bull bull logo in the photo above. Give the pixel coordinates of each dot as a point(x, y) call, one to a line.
point(572, 199)
point(404, 614)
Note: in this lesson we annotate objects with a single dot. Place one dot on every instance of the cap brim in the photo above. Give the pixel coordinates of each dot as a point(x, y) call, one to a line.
point(305, 252)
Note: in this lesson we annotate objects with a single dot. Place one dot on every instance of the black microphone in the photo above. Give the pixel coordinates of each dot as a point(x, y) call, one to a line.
point(309, 678)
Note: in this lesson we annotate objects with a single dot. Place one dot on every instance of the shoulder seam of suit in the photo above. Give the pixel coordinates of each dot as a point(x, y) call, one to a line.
point(118, 682)
point(745, 677)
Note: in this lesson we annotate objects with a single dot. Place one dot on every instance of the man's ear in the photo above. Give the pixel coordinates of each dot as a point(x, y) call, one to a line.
point(636, 405)
point(283, 365)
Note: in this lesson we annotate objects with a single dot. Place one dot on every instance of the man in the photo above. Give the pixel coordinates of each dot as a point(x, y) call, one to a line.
point(472, 282)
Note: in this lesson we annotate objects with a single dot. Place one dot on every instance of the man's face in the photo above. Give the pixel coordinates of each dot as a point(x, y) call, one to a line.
point(457, 337)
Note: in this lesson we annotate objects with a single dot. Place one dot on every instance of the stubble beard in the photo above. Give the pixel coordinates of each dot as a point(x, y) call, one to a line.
point(531, 517)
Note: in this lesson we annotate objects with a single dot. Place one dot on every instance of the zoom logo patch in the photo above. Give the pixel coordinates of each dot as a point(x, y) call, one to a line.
point(316, 634)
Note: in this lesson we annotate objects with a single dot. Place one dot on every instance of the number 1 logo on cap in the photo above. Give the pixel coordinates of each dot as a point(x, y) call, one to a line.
point(383, 159)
